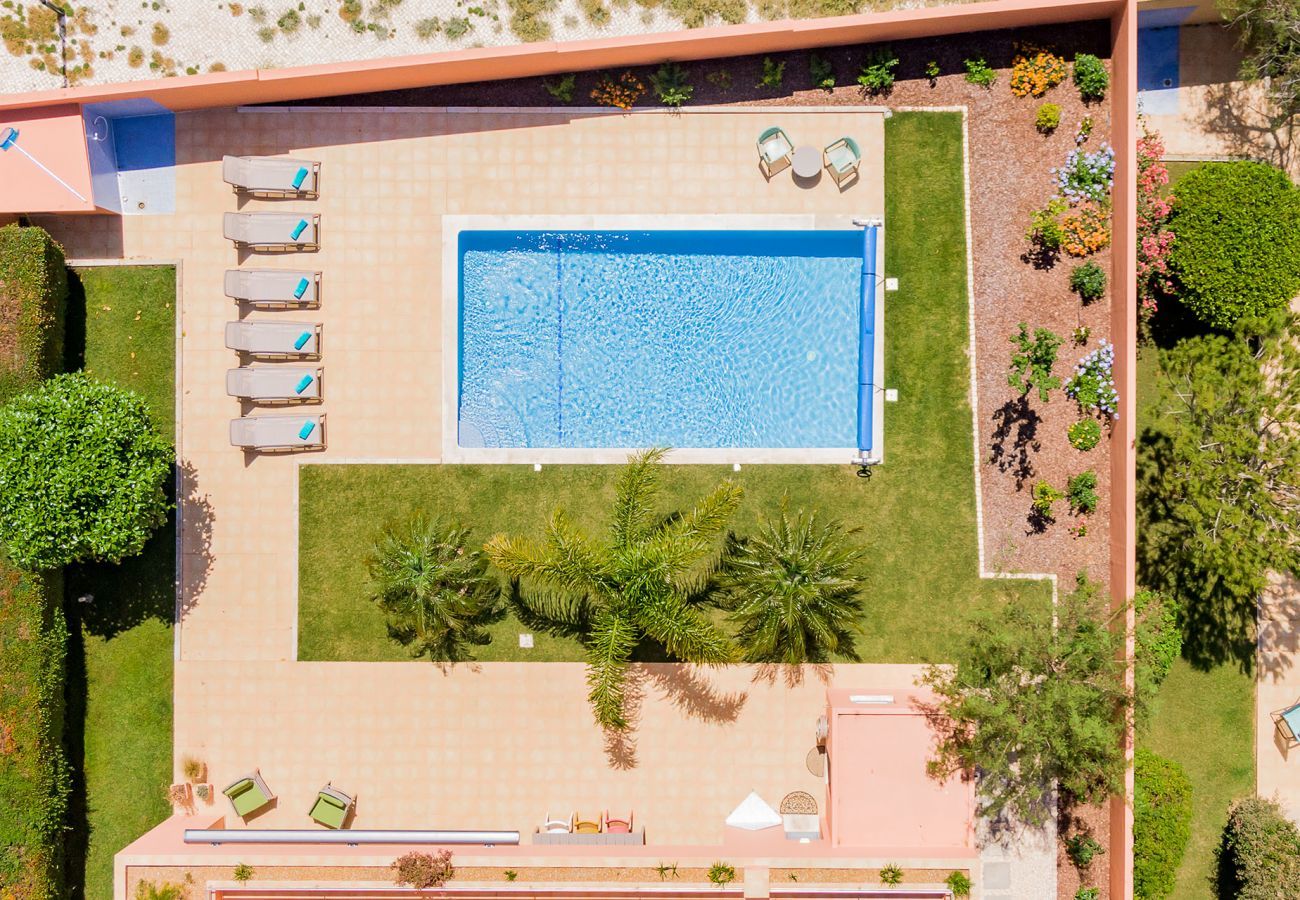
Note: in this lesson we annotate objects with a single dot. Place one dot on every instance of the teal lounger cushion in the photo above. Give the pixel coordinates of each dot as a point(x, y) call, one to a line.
point(299, 228)
point(302, 340)
point(301, 289)
point(305, 431)
point(303, 385)
point(300, 177)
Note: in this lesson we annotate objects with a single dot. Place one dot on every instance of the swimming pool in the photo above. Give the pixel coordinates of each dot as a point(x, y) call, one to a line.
point(606, 339)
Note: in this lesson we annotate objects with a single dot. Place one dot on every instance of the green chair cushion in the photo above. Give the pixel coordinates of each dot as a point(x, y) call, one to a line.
point(328, 812)
point(249, 801)
point(333, 801)
point(238, 788)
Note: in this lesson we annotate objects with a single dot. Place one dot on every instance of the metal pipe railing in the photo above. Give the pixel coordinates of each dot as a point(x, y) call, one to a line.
point(216, 836)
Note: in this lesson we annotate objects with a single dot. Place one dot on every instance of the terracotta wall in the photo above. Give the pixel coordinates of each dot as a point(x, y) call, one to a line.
point(486, 64)
point(1123, 532)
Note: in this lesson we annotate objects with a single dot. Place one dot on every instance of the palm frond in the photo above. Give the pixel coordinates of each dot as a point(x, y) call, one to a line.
point(611, 644)
point(554, 612)
point(634, 497)
point(682, 542)
point(683, 631)
point(566, 561)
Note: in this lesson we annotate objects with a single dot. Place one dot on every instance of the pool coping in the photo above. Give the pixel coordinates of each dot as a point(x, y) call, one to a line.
point(452, 225)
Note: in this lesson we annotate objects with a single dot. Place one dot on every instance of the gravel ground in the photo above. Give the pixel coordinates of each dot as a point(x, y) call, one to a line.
point(119, 40)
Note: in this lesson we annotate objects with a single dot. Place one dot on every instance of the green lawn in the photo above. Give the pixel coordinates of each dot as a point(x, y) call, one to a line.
point(123, 685)
point(917, 513)
point(1204, 720)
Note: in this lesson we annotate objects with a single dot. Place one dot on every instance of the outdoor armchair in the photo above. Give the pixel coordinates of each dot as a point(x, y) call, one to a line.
point(585, 826)
point(618, 825)
point(332, 807)
point(557, 826)
point(842, 159)
point(249, 794)
point(774, 149)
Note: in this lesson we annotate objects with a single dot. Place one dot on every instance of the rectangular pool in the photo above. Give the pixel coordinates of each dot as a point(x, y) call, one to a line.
point(679, 338)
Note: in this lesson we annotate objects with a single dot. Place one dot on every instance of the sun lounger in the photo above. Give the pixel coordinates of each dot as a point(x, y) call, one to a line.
point(272, 176)
point(249, 794)
point(286, 384)
point(279, 432)
point(274, 288)
point(275, 339)
point(332, 807)
point(273, 231)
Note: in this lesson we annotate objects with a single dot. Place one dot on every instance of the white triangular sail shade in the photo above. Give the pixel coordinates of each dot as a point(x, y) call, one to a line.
point(753, 814)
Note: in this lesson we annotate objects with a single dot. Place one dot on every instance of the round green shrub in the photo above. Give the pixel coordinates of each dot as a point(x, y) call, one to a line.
point(1260, 851)
point(82, 471)
point(1162, 817)
point(1236, 251)
point(1084, 434)
point(1048, 118)
point(1090, 77)
point(1088, 280)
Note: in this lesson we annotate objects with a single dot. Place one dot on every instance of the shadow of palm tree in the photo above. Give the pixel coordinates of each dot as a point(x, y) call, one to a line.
point(689, 689)
point(197, 516)
point(791, 675)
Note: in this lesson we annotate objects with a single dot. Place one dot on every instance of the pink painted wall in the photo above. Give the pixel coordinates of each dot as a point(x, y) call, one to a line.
point(1123, 460)
point(486, 64)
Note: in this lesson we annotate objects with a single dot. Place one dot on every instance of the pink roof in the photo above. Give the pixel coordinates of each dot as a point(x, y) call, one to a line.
point(879, 792)
point(54, 135)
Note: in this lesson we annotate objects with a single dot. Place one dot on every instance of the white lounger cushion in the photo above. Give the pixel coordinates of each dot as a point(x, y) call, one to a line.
point(270, 229)
point(277, 432)
point(272, 174)
point(272, 286)
point(273, 383)
point(274, 338)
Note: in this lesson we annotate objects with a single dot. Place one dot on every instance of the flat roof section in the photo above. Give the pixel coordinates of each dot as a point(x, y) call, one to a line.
point(45, 167)
point(879, 792)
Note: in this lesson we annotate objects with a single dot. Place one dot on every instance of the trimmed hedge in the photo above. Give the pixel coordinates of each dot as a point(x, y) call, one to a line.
point(1162, 823)
point(1259, 856)
point(33, 298)
point(1236, 251)
point(34, 773)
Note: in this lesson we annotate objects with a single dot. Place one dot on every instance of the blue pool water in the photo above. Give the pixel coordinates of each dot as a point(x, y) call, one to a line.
point(703, 339)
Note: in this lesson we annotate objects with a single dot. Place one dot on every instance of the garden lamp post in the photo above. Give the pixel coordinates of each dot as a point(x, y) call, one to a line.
point(63, 36)
point(9, 141)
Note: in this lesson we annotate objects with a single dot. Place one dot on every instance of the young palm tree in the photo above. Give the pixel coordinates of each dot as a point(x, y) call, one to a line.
point(793, 591)
point(640, 582)
point(435, 587)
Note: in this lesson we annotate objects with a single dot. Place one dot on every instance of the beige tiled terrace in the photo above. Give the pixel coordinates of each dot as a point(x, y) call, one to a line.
point(492, 746)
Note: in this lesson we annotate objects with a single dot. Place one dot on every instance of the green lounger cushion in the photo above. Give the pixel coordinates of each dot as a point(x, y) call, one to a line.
point(329, 811)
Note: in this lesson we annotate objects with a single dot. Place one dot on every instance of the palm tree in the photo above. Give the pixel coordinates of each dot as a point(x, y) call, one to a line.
point(641, 582)
point(793, 591)
point(435, 587)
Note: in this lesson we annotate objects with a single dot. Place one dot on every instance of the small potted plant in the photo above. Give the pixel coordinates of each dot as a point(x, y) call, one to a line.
point(180, 797)
point(195, 772)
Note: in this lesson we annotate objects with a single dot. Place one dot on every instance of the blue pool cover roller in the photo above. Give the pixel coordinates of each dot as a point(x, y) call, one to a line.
point(867, 339)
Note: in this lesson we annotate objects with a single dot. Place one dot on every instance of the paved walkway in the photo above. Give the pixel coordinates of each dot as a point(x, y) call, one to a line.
point(495, 745)
point(1277, 767)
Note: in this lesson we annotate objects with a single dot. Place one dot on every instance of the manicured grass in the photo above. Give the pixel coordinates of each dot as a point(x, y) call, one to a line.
point(125, 681)
point(1205, 721)
point(916, 514)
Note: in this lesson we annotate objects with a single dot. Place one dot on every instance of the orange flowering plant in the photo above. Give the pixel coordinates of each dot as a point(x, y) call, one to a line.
point(1086, 229)
point(621, 92)
point(1034, 72)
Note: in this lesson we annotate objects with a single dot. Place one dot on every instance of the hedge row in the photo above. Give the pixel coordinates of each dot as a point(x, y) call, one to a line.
point(1162, 823)
point(34, 774)
point(33, 297)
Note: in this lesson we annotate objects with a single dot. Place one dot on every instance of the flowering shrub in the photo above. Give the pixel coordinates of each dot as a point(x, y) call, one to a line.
point(1045, 226)
point(1093, 385)
point(1085, 131)
point(1154, 239)
point(1035, 72)
point(621, 92)
point(1086, 176)
point(1084, 434)
point(1085, 229)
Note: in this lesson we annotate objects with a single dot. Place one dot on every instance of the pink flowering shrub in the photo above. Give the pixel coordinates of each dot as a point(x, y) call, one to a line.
point(1154, 239)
